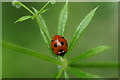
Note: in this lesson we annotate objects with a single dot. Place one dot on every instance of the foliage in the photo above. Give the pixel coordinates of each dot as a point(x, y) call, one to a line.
point(62, 62)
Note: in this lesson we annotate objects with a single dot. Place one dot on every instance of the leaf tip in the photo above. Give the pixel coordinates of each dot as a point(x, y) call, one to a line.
point(16, 21)
point(96, 8)
point(35, 10)
point(66, 1)
point(106, 47)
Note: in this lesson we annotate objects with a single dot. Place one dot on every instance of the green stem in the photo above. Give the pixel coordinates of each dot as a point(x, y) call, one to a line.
point(66, 75)
point(25, 7)
point(43, 7)
point(62, 68)
point(36, 16)
point(59, 73)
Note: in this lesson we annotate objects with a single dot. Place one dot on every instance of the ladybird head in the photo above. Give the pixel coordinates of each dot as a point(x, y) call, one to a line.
point(61, 52)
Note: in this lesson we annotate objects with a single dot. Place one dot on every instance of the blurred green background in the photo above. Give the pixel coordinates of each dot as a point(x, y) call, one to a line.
point(0, 39)
point(103, 30)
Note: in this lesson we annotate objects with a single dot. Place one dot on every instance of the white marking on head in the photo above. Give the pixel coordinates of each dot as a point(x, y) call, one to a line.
point(59, 52)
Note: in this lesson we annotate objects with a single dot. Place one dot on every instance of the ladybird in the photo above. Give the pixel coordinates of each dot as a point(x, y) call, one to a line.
point(59, 45)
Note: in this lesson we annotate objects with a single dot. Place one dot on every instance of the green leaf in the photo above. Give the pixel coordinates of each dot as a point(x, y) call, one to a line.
point(95, 65)
point(81, 74)
point(23, 18)
point(45, 27)
point(47, 41)
point(30, 52)
point(63, 19)
point(42, 25)
point(89, 53)
point(80, 29)
point(44, 11)
point(44, 35)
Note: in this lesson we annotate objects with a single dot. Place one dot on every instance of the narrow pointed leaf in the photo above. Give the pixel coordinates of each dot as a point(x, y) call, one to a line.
point(30, 52)
point(44, 34)
point(47, 41)
point(23, 18)
point(81, 27)
point(63, 19)
point(89, 53)
point(43, 25)
point(81, 74)
point(44, 11)
point(95, 65)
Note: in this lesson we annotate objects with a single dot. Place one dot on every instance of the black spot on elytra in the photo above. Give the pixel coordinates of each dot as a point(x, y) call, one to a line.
point(62, 37)
point(66, 44)
point(52, 40)
point(62, 43)
point(55, 45)
point(52, 49)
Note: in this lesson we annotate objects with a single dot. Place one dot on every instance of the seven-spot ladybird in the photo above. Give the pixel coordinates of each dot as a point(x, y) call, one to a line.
point(59, 45)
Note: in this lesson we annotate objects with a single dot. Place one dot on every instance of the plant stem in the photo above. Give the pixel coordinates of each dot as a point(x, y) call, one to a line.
point(25, 7)
point(66, 75)
point(37, 18)
point(59, 66)
point(43, 7)
point(62, 68)
point(65, 65)
point(59, 73)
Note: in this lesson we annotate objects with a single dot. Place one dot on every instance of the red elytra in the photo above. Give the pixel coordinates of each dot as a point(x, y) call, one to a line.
point(59, 45)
